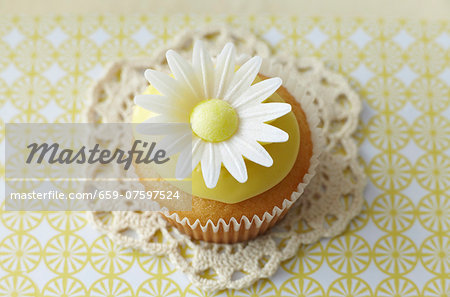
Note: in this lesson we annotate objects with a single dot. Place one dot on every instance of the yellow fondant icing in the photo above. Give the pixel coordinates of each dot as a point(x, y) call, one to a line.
point(260, 178)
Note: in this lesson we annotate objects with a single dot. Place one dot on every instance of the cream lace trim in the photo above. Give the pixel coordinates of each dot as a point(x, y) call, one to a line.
point(329, 202)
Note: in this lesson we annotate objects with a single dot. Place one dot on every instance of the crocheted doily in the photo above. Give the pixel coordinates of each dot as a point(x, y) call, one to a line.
point(329, 202)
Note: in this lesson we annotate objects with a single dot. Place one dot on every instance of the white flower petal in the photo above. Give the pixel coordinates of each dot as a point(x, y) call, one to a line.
point(162, 129)
point(167, 118)
point(211, 165)
point(253, 151)
point(184, 164)
point(243, 78)
point(233, 161)
point(174, 143)
point(203, 66)
point(157, 103)
point(262, 132)
point(165, 84)
point(189, 158)
point(258, 92)
point(224, 69)
point(264, 112)
point(198, 146)
point(183, 72)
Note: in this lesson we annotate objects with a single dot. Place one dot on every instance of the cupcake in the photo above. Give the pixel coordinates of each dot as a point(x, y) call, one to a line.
point(252, 142)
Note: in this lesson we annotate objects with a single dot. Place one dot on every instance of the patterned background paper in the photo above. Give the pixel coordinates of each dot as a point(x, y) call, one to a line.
point(398, 246)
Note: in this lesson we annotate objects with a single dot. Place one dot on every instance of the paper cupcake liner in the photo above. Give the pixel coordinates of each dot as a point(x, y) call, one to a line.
point(244, 228)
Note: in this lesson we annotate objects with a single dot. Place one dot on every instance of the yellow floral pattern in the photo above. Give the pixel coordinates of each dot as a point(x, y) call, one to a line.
point(398, 246)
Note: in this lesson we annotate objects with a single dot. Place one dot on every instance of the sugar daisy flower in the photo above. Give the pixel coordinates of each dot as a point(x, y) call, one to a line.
point(225, 111)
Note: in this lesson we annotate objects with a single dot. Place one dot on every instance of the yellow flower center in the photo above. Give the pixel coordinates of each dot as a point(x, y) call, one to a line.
point(214, 120)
